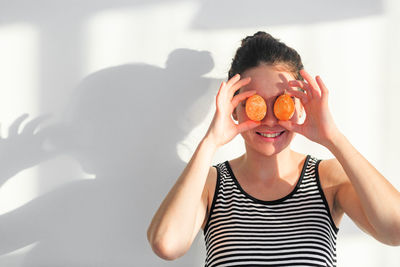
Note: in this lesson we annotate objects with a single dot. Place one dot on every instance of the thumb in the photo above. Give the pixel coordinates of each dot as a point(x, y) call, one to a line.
point(247, 125)
point(290, 126)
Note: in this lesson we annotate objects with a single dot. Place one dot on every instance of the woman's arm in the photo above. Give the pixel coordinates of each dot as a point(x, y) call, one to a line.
point(364, 194)
point(181, 214)
point(183, 211)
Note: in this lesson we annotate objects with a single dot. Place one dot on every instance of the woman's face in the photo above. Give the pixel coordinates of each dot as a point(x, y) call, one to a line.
point(270, 82)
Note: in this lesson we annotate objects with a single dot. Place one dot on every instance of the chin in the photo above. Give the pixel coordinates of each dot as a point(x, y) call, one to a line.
point(268, 151)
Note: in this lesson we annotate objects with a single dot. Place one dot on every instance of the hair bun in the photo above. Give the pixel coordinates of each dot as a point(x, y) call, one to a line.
point(262, 47)
point(258, 34)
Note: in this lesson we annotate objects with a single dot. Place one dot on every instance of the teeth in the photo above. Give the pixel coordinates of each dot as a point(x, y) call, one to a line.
point(270, 135)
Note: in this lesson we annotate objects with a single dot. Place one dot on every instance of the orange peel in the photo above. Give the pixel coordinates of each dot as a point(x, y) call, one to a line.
point(284, 107)
point(256, 108)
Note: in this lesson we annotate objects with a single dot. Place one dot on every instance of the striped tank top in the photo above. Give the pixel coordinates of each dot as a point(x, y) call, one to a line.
point(296, 230)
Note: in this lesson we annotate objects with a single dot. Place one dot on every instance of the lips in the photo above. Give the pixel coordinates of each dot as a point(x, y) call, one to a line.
point(270, 134)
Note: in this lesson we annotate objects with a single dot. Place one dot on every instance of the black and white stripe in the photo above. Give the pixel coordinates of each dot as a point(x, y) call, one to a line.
point(296, 230)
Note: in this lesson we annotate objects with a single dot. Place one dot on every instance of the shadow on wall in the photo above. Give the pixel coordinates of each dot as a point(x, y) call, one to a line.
point(110, 131)
point(250, 14)
point(122, 125)
point(270, 13)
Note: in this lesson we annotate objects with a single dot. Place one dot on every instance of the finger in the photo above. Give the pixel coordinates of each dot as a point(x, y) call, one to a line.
point(247, 125)
point(313, 85)
point(218, 97)
point(31, 126)
point(242, 96)
point(302, 85)
point(14, 128)
point(223, 84)
point(324, 90)
point(233, 80)
point(238, 85)
point(290, 126)
point(300, 95)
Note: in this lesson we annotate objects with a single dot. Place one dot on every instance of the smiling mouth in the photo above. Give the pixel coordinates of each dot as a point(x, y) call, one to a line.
point(270, 135)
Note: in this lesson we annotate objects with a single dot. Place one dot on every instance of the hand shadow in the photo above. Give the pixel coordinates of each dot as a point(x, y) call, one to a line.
point(23, 147)
point(122, 125)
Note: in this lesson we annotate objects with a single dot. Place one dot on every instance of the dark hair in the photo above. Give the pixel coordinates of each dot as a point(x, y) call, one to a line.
point(262, 48)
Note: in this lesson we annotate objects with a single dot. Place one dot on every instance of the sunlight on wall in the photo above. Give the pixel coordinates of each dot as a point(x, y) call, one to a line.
point(118, 36)
point(363, 250)
point(349, 56)
point(18, 95)
point(16, 258)
point(392, 95)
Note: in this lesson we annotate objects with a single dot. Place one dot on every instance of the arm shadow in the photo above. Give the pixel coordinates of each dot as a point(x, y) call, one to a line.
point(122, 125)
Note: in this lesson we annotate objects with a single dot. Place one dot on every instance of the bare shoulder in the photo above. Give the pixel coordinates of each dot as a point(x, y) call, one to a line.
point(331, 172)
point(211, 181)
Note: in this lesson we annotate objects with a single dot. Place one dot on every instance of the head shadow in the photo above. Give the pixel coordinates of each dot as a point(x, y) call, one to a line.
point(122, 125)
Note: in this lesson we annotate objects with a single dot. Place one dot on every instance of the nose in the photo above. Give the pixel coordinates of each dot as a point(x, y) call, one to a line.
point(270, 120)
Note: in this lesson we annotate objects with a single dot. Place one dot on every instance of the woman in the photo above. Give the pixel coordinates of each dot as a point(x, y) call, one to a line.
point(272, 205)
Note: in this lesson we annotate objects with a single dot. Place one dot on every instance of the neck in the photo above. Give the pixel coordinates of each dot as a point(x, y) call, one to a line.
point(268, 168)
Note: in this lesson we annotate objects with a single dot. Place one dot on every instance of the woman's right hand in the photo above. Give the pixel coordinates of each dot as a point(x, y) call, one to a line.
point(222, 128)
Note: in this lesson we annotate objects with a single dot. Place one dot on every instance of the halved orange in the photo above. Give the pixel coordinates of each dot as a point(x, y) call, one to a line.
point(256, 108)
point(284, 107)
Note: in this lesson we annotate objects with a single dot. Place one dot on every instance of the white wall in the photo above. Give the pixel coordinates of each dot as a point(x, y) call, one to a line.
point(120, 92)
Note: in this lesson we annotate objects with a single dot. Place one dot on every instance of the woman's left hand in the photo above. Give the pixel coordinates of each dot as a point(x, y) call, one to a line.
point(318, 125)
